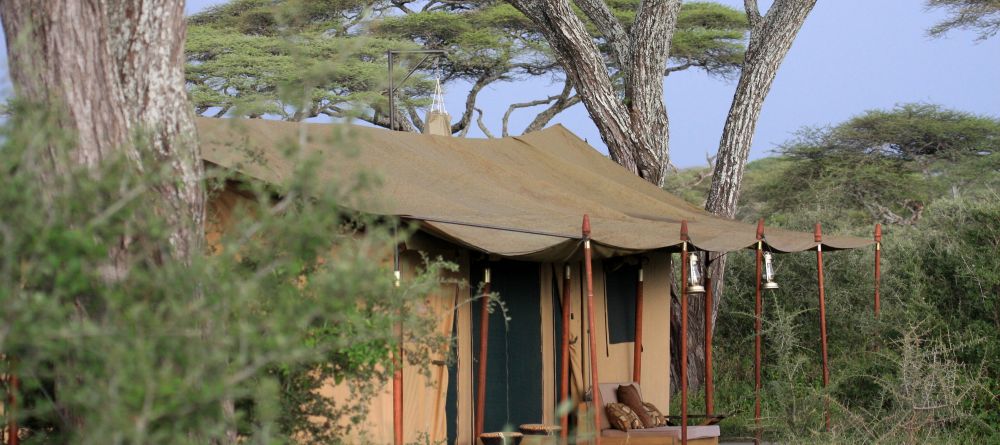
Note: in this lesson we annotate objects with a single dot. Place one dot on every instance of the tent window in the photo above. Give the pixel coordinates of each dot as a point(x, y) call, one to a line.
point(620, 286)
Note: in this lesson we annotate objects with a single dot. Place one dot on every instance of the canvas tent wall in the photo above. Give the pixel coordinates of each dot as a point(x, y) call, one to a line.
point(426, 399)
point(518, 198)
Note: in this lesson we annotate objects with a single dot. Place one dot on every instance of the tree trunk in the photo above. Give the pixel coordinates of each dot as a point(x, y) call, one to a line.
point(771, 37)
point(115, 69)
point(632, 123)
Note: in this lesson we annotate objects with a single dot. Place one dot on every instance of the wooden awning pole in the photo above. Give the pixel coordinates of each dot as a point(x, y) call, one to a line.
point(592, 335)
point(684, 332)
point(757, 326)
point(822, 320)
point(709, 384)
point(878, 268)
point(567, 307)
point(397, 375)
point(12, 386)
point(637, 347)
point(484, 331)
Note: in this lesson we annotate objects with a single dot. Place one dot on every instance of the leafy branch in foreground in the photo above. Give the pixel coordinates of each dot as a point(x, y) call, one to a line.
point(294, 295)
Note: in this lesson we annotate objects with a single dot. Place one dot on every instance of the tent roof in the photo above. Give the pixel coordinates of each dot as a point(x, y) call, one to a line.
point(495, 195)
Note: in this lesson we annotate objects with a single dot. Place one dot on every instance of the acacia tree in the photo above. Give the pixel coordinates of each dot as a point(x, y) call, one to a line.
point(635, 126)
point(116, 72)
point(240, 56)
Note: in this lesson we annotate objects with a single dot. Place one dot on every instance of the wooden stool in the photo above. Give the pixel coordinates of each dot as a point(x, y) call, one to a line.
point(501, 438)
point(538, 429)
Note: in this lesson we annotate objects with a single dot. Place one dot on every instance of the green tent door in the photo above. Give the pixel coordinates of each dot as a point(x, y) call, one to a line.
point(514, 355)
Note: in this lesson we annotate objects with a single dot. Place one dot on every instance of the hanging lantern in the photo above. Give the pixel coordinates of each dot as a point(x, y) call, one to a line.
point(694, 277)
point(769, 272)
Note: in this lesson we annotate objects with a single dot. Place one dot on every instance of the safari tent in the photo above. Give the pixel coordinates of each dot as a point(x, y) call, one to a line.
point(511, 209)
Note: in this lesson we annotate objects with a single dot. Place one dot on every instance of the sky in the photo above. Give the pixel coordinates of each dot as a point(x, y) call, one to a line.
point(849, 57)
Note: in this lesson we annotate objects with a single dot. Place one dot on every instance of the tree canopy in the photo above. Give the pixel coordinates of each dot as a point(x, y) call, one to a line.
point(885, 165)
point(982, 16)
point(244, 56)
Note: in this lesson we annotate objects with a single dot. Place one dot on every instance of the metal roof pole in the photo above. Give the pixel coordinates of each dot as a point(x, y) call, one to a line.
point(594, 382)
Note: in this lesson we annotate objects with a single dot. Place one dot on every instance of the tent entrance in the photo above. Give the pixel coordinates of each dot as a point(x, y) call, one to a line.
point(514, 357)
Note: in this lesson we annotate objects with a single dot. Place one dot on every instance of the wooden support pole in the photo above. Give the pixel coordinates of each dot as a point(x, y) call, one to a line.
point(594, 382)
point(567, 307)
point(878, 267)
point(397, 375)
point(822, 320)
point(709, 384)
point(684, 332)
point(637, 347)
point(12, 387)
point(484, 331)
point(758, 327)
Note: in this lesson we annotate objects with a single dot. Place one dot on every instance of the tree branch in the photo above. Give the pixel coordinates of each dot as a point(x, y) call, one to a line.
point(652, 31)
point(563, 102)
point(608, 25)
point(482, 126)
point(462, 125)
point(674, 69)
point(415, 118)
point(585, 66)
point(753, 12)
point(512, 107)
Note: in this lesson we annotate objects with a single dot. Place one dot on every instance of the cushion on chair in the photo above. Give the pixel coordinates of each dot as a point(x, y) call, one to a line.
point(629, 395)
point(622, 417)
point(694, 432)
point(654, 414)
point(607, 392)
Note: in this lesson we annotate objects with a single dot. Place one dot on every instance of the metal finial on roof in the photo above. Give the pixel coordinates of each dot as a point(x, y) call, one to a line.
point(437, 105)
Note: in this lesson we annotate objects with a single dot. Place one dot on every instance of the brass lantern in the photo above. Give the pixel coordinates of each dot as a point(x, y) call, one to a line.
point(769, 272)
point(694, 276)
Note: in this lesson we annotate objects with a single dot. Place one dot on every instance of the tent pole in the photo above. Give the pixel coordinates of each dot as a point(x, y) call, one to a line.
point(709, 385)
point(12, 387)
point(758, 315)
point(397, 375)
point(484, 331)
point(878, 268)
point(684, 329)
point(637, 347)
point(822, 320)
point(594, 382)
point(567, 306)
point(397, 396)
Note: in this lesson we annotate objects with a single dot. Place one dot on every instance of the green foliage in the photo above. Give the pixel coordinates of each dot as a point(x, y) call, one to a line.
point(133, 346)
point(927, 370)
point(294, 60)
point(982, 16)
point(243, 54)
point(881, 165)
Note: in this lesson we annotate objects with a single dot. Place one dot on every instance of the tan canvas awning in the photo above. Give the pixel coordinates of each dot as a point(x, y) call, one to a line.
point(521, 197)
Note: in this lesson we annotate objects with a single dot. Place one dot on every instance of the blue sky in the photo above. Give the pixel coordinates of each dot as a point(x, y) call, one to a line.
point(851, 56)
